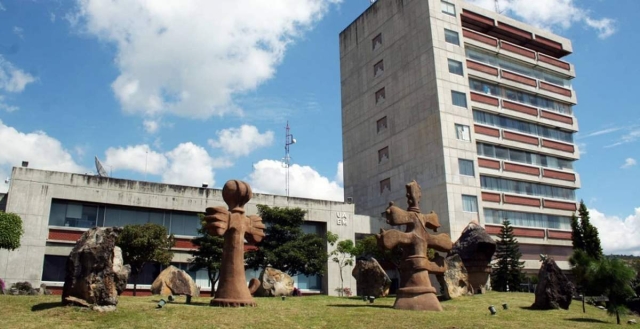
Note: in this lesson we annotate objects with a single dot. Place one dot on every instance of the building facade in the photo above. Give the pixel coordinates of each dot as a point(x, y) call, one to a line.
point(56, 208)
point(473, 105)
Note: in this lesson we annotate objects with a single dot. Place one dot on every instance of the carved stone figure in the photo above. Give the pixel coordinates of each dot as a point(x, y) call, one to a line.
point(455, 281)
point(371, 278)
point(416, 291)
point(174, 282)
point(274, 282)
point(476, 248)
point(235, 227)
point(95, 274)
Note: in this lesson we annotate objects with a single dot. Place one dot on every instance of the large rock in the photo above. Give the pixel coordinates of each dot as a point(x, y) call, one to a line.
point(455, 281)
point(95, 275)
point(174, 281)
point(554, 290)
point(475, 248)
point(371, 278)
point(274, 282)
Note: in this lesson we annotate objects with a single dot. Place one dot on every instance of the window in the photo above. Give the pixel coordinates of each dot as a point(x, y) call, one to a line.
point(385, 185)
point(496, 216)
point(448, 8)
point(466, 167)
point(383, 154)
point(455, 67)
point(469, 203)
point(522, 126)
point(526, 188)
point(381, 124)
point(376, 42)
point(378, 69)
point(451, 37)
point(459, 99)
point(54, 268)
point(462, 133)
point(380, 95)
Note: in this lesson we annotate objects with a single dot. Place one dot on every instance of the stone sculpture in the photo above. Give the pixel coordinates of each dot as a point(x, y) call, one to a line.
point(455, 281)
point(95, 274)
point(274, 282)
point(371, 278)
point(416, 291)
point(475, 248)
point(554, 290)
point(235, 227)
point(174, 282)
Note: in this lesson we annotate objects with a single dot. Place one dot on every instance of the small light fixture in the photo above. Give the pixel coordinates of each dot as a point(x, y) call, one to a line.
point(505, 306)
point(371, 299)
point(205, 184)
point(364, 298)
point(161, 303)
point(284, 297)
point(25, 164)
point(170, 298)
point(492, 310)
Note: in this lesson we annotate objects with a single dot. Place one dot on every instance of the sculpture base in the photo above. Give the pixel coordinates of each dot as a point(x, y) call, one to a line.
point(410, 299)
point(223, 302)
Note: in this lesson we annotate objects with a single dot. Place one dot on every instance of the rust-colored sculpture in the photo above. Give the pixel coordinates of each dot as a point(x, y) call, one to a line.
point(235, 227)
point(416, 291)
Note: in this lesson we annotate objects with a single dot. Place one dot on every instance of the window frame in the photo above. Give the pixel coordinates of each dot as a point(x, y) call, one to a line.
point(448, 35)
point(445, 5)
point(468, 130)
point(466, 163)
point(475, 199)
point(460, 94)
point(455, 70)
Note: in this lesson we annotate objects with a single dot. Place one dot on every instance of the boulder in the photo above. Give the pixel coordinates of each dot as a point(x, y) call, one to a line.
point(22, 288)
point(43, 290)
point(274, 282)
point(95, 275)
point(475, 248)
point(454, 281)
point(174, 282)
point(254, 284)
point(554, 290)
point(371, 278)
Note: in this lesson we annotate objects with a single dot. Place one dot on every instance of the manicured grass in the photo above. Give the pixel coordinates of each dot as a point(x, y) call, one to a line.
point(46, 312)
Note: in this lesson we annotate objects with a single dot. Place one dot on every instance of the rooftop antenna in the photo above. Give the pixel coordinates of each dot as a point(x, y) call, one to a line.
point(288, 140)
point(497, 4)
point(100, 168)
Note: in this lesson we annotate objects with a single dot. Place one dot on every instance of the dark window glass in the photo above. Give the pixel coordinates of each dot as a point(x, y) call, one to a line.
point(54, 268)
point(451, 37)
point(459, 99)
point(455, 67)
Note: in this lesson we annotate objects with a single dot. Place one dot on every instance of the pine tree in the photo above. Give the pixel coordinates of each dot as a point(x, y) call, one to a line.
point(576, 233)
point(507, 272)
point(589, 234)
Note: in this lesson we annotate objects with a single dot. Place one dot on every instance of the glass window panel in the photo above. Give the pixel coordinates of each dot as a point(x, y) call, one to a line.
point(58, 213)
point(459, 99)
point(534, 189)
point(469, 203)
point(455, 67)
point(466, 167)
point(451, 37)
point(448, 8)
point(54, 268)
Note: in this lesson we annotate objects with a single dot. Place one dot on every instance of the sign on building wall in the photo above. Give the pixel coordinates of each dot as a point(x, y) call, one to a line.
point(341, 218)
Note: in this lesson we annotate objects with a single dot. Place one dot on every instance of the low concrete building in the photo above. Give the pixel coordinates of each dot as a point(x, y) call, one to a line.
point(57, 207)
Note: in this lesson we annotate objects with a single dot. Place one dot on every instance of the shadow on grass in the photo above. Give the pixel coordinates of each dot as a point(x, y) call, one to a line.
point(181, 302)
point(529, 308)
point(364, 305)
point(586, 320)
point(45, 306)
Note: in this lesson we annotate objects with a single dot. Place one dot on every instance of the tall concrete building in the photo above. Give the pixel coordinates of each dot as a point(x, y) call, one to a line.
point(473, 105)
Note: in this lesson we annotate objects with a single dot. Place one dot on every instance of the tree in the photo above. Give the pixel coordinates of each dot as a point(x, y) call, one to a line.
point(10, 230)
point(208, 255)
point(507, 271)
point(580, 263)
point(369, 247)
point(589, 234)
point(142, 244)
point(576, 233)
point(285, 246)
point(612, 278)
point(342, 255)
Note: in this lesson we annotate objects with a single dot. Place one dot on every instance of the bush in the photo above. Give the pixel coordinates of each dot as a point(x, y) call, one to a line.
point(10, 230)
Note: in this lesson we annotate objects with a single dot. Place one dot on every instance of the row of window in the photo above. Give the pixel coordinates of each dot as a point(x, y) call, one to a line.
point(496, 216)
point(521, 126)
point(519, 96)
point(511, 65)
point(526, 188)
point(509, 154)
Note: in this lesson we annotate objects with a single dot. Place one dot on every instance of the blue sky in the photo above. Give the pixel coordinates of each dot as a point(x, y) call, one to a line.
point(201, 92)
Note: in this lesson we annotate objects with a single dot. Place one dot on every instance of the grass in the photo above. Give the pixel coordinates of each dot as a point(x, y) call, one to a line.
point(46, 312)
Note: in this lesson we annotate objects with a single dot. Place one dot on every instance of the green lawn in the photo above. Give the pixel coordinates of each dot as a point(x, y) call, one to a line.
point(45, 312)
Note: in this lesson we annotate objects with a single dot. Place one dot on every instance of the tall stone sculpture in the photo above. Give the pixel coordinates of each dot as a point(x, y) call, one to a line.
point(416, 291)
point(235, 227)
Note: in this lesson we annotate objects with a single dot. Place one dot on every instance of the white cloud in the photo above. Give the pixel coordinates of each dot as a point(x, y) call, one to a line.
point(618, 236)
point(13, 79)
point(42, 152)
point(550, 14)
point(630, 137)
point(138, 158)
point(340, 174)
point(2, 8)
point(190, 165)
point(191, 58)
point(628, 163)
point(151, 126)
point(17, 30)
point(6, 107)
point(241, 141)
point(268, 176)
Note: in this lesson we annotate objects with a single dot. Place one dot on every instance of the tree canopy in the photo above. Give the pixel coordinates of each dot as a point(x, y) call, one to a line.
point(612, 277)
point(142, 244)
point(208, 255)
point(10, 230)
point(285, 246)
point(342, 255)
point(507, 272)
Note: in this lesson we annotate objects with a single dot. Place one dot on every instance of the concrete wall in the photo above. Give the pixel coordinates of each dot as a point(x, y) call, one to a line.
point(32, 191)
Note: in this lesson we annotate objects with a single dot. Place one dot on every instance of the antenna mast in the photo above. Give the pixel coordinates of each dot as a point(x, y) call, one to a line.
point(288, 140)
